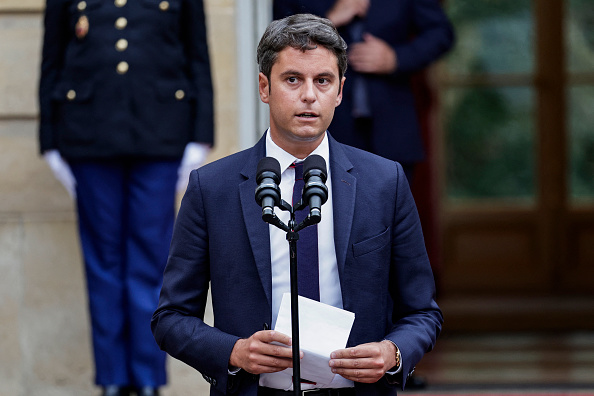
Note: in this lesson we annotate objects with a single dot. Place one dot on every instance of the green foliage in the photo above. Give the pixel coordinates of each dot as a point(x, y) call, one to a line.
point(583, 168)
point(582, 142)
point(583, 11)
point(489, 147)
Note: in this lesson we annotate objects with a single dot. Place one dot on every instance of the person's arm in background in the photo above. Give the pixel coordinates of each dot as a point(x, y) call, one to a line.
point(433, 36)
point(195, 39)
point(55, 40)
point(340, 12)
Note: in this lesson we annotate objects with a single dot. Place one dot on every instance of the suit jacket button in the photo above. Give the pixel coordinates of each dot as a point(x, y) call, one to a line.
point(164, 5)
point(122, 67)
point(121, 23)
point(120, 3)
point(180, 94)
point(81, 6)
point(121, 45)
point(71, 94)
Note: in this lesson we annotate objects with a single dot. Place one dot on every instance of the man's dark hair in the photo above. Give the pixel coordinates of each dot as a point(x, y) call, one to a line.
point(303, 32)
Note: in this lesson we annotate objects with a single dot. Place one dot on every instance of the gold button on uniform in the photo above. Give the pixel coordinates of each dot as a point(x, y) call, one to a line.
point(121, 45)
point(122, 67)
point(82, 5)
point(120, 3)
point(71, 94)
point(121, 23)
point(180, 94)
point(164, 5)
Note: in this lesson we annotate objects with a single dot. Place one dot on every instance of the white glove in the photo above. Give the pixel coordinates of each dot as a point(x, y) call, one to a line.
point(61, 171)
point(194, 157)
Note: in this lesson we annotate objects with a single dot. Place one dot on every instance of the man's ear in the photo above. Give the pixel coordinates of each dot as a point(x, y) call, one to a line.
point(263, 87)
point(339, 96)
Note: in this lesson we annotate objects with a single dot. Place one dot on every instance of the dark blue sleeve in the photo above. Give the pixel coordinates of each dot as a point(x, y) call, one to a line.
point(433, 36)
point(417, 319)
point(196, 47)
point(285, 8)
point(281, 8)
point(55, 40)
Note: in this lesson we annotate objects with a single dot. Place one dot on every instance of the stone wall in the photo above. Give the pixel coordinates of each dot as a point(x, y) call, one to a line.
point(44, 325)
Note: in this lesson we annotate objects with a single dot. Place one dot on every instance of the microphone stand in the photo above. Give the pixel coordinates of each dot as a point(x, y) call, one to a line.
point(292, 236)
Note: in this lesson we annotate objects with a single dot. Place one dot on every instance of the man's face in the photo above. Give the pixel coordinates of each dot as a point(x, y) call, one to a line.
point(302, 94)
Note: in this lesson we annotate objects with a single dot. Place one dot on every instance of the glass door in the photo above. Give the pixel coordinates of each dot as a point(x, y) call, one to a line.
point(517, 149)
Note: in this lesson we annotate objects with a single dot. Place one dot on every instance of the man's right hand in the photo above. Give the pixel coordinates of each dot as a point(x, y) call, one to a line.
point(258, 355)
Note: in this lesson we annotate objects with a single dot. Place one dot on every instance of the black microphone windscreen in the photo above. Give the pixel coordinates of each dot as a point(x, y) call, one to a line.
point(314, 162)
point(269, 164)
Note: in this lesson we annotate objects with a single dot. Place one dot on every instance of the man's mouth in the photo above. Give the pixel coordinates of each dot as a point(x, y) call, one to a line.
point(307, 115)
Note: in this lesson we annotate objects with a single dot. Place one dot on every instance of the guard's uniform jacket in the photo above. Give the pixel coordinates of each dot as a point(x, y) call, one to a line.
point(124, 78)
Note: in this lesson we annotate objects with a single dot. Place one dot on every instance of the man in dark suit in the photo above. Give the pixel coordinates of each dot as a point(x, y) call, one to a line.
point(371, 254)
point(388, 42)
point(125, 94)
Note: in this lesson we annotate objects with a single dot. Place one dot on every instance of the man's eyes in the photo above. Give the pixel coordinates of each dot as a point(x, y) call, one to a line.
point(321, 81)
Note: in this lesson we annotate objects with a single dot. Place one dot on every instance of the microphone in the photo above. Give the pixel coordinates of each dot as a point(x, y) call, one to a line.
point(268, 192)
point(315, 192)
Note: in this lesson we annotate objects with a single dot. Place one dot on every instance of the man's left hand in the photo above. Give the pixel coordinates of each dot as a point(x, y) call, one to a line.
point(372, 55)
point(364, 363)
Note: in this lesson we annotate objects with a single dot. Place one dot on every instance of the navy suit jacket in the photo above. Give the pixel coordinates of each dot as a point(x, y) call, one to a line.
point(419, 32)
point(154, 108)
point(220, 238)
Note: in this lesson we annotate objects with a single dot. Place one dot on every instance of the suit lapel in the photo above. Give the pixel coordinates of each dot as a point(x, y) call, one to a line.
point(257, 229)
point(344, 187)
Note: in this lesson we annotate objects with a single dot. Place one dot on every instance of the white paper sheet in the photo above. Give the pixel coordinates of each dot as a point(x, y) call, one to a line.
point(322, 330)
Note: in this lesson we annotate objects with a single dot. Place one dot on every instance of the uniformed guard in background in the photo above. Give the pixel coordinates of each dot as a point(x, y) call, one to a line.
point(126, 111)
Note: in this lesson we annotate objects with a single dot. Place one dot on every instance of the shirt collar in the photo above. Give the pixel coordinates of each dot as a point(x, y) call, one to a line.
point(285, 159)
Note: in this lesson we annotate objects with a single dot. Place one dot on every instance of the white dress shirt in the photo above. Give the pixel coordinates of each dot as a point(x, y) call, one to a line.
point(330, 292)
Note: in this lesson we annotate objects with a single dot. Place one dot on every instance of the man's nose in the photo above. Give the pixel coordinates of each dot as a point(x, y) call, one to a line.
point(308, 93)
